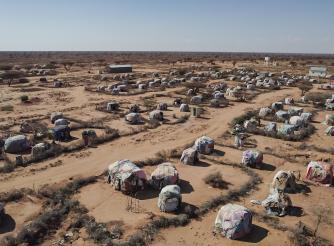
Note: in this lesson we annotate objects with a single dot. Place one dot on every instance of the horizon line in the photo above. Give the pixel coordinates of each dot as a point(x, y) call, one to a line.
point(165, 51)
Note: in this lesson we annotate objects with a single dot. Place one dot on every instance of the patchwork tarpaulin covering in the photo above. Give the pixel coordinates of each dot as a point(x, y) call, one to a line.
point(287, 129)
point(61, 133)
point(169, 198)
point(252, 158)
point(233, 221)
point(142, 86)
point(238, 129)
point(134, 108)
point(189, 156)
point(277, 203)
point(112, 106)
point(26, 127)
point(297, 121)
point(271, 128)
point(289, 100)
point(55, 116)
point(133, 118)
point(156, 115)
point(16, 144)
point(39, 149)
point(282, 115)
point(177, 102)
point(184, 107)
point(329, 120)
point(330, 106)
point(218, 95)
point(215, 102)
point(126, 176)
point(196, 99)
point(265, 112)
point(284, 181)
point(320, 172)
point(277, 106)
point(330, 131)
point(164, 174)
point(162, 106)
point(204, 145)
point(61, 122)
point(190, 92)
point(295, 111)
point(307, 117)
point(250, 125)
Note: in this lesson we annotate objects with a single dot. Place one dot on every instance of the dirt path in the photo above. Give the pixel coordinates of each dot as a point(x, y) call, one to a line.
point(140, 146)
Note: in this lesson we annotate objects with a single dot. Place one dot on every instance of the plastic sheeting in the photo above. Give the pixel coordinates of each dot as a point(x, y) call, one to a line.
point(16, 144)
point(189, 156)
point(277, 203)
point(320, 172)
point(169, 198)
point(62, 122)
point(284, 181)
point(265, 112)
point(184, 107)
point(133, 118)
point(271, 128)
point(156, 115)
point(126, 176)
point(204, 145)
point(55, 116)
point(252, 158)
point(233, 221)
point(330, 131)
point(287, 129)
point(164, 174)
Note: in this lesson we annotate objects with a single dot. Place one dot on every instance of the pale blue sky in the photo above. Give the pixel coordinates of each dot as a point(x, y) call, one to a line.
point(301, 26)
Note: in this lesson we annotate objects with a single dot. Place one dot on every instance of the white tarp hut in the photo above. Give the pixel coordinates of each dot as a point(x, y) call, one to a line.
point(126, 176)
point(204, 145)
point(170, 198)
point(233, 221)
point(165, 174)
point(16, 144)
point(189, 156)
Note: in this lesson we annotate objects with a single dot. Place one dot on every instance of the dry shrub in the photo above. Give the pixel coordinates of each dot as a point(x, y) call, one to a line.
point(216, 180)
point(242, 118)
point(7, 107)
point(15, 195)
point(319, 97)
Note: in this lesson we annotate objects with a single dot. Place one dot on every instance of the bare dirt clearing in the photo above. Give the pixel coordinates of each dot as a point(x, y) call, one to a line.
point(63, 197)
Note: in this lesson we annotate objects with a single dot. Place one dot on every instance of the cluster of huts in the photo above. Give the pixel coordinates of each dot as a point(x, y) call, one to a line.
point(42, 72)
point(21, 144)
point(293, 119)
point(134, 116)
point(330, 103)
point(126, 85)
point(234, 221)
point(327, 86)
point(125, 176)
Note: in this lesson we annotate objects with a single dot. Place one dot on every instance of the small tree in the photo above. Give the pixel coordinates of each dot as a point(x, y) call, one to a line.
point(323, 217)
point(67, 65)
point(6, 67)
point(234, 63)
point(24, 98)
point(11, 75)
point(304, 87)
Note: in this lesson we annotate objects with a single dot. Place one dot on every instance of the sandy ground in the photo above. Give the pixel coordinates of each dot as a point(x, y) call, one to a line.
point(112, 207)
